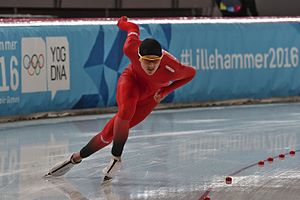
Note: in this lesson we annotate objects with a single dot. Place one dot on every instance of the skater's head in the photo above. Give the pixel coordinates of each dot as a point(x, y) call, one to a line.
point(150, 54)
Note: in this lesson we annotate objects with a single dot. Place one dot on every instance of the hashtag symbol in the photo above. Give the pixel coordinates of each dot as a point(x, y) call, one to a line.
point(186, 57)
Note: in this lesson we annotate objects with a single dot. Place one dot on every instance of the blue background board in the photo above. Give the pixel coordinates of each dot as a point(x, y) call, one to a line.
point(274, 45)
point(62, 67)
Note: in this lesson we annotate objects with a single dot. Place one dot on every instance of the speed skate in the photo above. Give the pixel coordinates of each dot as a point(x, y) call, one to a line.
point(62, 168)
point(111, 169)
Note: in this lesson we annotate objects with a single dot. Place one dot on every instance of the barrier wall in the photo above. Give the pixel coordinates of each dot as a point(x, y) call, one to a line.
point(60, 65)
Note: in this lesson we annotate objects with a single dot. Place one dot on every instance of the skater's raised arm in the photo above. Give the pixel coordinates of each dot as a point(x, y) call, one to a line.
point(133, 41)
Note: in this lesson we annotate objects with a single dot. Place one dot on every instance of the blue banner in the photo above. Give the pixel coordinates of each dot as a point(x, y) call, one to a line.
point(250, 60)
point(73, 66)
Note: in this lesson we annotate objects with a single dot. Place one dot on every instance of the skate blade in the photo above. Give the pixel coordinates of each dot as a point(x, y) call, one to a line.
point(48, 175)
point(106, 180)
point(60, 169)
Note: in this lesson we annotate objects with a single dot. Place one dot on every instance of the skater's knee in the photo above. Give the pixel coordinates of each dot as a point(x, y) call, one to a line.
point(106, 137)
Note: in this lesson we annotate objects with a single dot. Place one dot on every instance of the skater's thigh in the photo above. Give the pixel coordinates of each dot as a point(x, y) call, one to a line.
point(127, 97)
point(143, 109)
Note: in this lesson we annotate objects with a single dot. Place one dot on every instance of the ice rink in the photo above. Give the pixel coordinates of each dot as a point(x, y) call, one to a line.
point(173, 154)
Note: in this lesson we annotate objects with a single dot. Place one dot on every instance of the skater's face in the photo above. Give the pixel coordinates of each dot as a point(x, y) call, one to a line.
point(150, 63)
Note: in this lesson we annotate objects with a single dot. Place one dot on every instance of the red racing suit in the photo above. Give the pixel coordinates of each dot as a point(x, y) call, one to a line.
point(135, 92)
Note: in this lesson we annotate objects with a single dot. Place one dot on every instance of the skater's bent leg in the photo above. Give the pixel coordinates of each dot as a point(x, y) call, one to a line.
point(121, 130)
point(98, 142)
point(121, 126)
point(127, 98)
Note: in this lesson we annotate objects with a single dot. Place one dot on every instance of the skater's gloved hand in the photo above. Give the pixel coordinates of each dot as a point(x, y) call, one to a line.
point(123, 24)
point(159, 95)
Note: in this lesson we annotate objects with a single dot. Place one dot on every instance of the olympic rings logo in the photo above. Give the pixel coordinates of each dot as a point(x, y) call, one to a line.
point(34, 64)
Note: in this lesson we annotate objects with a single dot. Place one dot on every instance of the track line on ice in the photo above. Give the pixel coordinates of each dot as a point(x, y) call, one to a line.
point(205, 195)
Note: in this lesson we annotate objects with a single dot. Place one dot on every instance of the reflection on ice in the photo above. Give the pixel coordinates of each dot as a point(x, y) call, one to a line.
point(171, 155)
